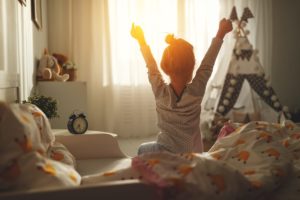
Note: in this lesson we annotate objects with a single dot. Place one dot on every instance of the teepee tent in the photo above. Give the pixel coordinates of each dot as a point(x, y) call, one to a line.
point(245, 73)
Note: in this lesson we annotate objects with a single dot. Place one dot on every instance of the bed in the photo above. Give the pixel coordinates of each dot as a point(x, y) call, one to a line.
point(257, 160)
point(94, 153)
point(91, 160)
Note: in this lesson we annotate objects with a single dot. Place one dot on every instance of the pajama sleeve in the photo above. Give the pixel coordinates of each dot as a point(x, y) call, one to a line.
point(205, 69)
point(155, 78)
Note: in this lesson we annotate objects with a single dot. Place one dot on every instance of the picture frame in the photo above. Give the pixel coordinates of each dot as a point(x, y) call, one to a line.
point(22, 2)
point(36, 9)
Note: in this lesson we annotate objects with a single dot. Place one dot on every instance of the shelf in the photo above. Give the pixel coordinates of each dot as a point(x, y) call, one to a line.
point(70, 96)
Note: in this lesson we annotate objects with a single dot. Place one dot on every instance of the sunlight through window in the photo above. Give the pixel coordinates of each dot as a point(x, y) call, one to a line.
point(185, 19)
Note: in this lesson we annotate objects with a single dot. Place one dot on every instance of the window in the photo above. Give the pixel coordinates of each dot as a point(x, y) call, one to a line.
point(194, 20)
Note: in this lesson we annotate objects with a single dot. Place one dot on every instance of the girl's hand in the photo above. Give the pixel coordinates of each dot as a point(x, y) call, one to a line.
point(138, 34)
point(225, 26)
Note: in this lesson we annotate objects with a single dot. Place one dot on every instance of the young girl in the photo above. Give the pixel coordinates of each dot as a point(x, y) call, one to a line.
point(178, 104)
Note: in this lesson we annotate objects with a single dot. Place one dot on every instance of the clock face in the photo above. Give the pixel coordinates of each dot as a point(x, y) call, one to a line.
point(80, 125)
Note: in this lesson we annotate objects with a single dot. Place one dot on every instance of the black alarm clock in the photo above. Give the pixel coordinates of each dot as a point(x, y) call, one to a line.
point(77, 123)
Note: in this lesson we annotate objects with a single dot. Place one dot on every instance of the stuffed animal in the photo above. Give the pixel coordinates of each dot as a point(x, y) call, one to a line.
point(68, 66)
point(49, 69)
point(61, 58)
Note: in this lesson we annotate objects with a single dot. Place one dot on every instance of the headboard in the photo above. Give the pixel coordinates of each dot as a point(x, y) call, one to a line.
point(9, 94)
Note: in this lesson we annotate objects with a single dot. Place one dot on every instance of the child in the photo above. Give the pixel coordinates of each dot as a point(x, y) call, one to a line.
point(178, 104)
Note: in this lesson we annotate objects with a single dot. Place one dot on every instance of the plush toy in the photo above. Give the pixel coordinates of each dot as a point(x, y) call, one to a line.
point(49, 69)
point(61, 58)
point(68, 66)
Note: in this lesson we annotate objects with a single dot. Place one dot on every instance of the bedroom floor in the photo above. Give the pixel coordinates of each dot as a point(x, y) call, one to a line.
point(130, 146)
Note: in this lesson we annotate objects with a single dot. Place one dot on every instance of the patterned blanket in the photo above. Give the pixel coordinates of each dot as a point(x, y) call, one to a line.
point(30, 158)
point(259, 160)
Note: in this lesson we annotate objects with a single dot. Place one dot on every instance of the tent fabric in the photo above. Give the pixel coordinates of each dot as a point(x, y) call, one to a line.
point(244, 67)
point(257, 83)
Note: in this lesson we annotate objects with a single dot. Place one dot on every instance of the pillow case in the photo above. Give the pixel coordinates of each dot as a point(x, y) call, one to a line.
point(25, 137)
point(55, 150)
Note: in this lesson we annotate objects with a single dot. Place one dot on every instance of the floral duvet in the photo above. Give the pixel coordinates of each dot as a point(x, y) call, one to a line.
point(30, 158)
point(259, 160)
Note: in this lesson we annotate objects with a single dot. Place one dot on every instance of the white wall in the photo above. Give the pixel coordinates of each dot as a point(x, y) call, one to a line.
point(39, 43)
point(58, 22)
point(40, 37)
point(286, 52)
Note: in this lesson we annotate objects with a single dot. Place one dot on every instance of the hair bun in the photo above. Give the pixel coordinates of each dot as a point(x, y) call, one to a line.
point(170, 38)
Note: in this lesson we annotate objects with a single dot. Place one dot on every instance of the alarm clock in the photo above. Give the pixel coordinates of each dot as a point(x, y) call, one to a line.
point(77, 123)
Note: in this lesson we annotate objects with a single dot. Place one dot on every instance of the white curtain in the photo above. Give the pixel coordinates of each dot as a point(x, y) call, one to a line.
point(96, 35)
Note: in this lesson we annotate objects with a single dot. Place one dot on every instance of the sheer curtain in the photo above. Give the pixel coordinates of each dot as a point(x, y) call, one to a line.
point(97, 37)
